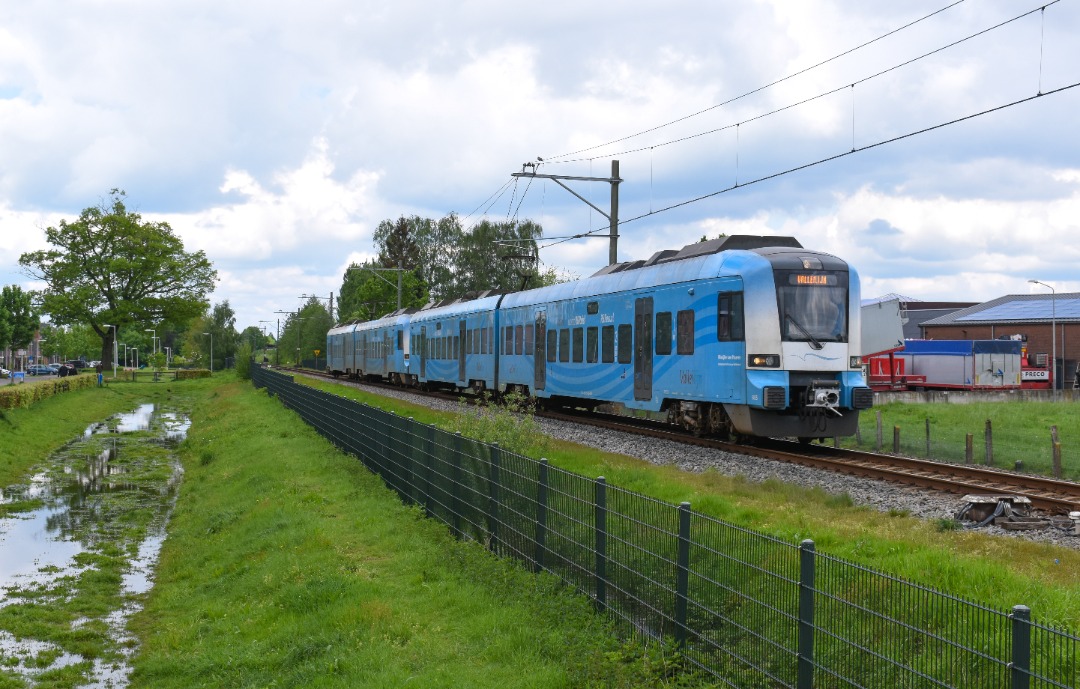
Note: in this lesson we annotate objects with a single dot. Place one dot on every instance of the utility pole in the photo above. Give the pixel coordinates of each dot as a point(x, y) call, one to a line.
point(613, 216)
point(399, 270)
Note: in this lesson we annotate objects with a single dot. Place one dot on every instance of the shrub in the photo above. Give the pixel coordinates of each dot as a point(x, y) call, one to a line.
point(510, 423)
point(12, 396)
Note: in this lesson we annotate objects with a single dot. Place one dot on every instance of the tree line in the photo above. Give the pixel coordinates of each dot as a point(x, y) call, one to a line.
point(441, 260)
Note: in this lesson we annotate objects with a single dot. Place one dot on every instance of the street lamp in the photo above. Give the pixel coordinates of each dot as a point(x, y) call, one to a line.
point(136, 350)
point(1053, 336)
point(211, 351)
point(113, 348)
point(168, 356)
point(153, 339)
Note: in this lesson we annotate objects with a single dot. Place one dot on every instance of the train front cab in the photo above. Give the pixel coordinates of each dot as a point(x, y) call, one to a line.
point(803, 370)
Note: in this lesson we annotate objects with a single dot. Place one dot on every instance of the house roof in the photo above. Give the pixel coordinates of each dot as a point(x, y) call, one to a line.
point(1016, 308)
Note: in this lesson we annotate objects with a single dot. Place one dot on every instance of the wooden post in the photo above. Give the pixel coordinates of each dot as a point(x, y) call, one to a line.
point(969, 450)
point(879, 439)
point(896, 440)
point(928, 437)
point(989, 444)
point(1055, 444)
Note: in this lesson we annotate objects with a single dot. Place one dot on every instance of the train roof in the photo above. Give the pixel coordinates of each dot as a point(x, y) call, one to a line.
point(458, 307)
point(732, 255)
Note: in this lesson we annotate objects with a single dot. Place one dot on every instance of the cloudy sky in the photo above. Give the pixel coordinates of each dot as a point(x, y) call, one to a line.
point(276, 135)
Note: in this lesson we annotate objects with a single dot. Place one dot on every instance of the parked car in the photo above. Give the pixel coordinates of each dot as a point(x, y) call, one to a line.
point(4, 373)
point(79, 363)
point(39, 370)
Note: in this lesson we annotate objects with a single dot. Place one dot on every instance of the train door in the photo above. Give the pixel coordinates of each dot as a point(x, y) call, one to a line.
point(540, 349)
point(643, 348)
point(461, 350)
point(423, 351)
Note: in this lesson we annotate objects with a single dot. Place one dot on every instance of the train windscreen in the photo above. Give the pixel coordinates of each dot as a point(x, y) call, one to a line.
point(813, 306)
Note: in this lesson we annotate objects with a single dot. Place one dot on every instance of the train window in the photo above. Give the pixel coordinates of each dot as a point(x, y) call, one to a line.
point(519, 338)
point(491, 339)
point(685, 334)
point(579, 345)
point(552, 344)
point(591, 344)
point(400, 339)
point(607, 337)
point(592, 308)
point(508, 339)
point(626, 343)
point(529, 339)
point(663, 332)
point(729, 317)
point(564, 345)
point(457, 347)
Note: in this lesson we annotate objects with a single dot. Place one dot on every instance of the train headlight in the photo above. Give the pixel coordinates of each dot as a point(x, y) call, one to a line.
point(855, 362)
point(764, 360)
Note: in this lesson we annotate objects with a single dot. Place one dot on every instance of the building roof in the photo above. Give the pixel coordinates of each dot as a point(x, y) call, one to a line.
point(1016, 308)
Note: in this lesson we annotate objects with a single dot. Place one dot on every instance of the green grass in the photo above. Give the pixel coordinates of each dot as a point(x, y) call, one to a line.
point(288, 564)
point(1020, 432)
point(994, 570)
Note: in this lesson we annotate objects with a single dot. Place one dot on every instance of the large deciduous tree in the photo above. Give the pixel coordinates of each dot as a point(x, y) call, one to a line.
point(110, 267)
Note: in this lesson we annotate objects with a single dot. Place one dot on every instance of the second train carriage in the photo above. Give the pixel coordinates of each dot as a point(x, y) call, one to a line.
point(747, 335)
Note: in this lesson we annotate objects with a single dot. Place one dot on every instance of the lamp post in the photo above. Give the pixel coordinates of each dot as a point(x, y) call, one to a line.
point(153, 339)
point(211, 351)
point(168, 356)
point(136, 350)
point(125, 354)
point(1053, 336)
point(113, 348)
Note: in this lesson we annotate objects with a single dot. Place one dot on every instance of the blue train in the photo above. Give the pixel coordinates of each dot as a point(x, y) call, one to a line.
point(737, 336)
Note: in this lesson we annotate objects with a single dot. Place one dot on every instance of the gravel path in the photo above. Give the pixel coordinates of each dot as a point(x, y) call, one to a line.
point(879, 495)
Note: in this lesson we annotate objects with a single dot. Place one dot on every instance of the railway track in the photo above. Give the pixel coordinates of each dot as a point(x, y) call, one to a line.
point(1052, 496)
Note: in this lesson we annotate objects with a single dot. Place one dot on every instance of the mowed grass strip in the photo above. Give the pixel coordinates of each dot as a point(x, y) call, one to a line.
point(968, 563)
point(289, 564)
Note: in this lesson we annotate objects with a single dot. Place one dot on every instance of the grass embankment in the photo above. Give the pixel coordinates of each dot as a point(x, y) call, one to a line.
point(997, 571)
point(288, 564)
point(1020, 432)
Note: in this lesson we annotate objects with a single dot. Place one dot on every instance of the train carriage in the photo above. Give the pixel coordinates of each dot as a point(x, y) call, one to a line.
point(456, 344)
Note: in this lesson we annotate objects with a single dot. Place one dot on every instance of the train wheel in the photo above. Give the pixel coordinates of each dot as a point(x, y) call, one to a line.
point(804, 440)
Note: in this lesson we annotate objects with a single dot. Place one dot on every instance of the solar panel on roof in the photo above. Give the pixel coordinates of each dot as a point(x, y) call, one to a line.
point(1027, 310)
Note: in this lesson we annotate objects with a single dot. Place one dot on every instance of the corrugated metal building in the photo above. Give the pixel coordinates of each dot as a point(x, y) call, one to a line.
point(1032, 316)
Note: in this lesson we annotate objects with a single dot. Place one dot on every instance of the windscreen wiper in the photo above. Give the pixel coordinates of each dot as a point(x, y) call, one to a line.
point(813, 340)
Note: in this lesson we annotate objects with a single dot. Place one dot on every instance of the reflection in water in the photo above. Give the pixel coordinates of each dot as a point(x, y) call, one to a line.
point(113, 488)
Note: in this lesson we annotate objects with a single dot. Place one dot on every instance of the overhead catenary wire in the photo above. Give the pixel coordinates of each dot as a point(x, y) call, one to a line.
point(820, 161)
point(823, 94)
point(758, 89)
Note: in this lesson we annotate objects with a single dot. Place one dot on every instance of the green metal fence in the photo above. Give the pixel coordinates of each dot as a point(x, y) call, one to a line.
point(747, 608)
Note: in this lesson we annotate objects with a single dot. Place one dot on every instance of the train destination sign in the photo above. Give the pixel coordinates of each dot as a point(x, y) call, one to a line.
point(811, 279)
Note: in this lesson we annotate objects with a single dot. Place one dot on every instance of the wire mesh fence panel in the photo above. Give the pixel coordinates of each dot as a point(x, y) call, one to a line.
point(874, 630)
point(747, 608)
point(743, 591)
point(642, 544)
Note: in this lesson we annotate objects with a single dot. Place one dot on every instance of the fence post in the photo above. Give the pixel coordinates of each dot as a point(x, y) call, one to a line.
point(429, 453)
point(928, 437)
point(541, 515)
point(600, 522)
point(896, 440)
point(879, 438)
point(455, 481)
point(409, 433)
point(805, 678)
point(989, 444)
point(682, 574)
point(493, 497)
point(1055, 445)
point(969, 449)
point(1021, 648)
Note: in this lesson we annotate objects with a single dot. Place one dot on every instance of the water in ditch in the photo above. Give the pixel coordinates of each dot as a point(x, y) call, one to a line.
point(78, 543)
